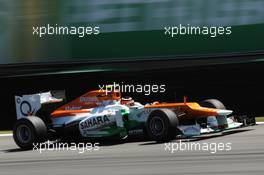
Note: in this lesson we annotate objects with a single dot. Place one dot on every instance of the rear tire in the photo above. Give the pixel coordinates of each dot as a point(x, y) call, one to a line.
point(28, 131)
point(162, 125)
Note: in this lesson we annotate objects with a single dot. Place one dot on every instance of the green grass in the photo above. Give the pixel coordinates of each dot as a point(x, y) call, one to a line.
point(259, 119)
point(5, 132)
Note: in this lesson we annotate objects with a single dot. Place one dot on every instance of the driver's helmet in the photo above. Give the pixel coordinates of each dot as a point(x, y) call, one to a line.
point(127, 101)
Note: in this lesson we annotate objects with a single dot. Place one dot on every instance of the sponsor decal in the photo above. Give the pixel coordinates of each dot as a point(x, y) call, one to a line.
point(72, 107)
point(191, 129)
point(135, 132)
point(95, 121)
point(88, 99)
point(25, 108)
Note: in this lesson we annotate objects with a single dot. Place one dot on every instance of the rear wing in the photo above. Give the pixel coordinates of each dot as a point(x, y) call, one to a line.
point(29, 104)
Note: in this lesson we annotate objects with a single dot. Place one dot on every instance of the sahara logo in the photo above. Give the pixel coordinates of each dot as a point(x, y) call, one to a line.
point(100, 120)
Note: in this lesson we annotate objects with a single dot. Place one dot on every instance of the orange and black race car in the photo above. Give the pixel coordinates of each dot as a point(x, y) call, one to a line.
point(100, 114)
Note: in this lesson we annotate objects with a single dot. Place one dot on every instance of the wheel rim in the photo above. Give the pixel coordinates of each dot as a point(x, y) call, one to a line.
point(23, 133)
point(156, 126)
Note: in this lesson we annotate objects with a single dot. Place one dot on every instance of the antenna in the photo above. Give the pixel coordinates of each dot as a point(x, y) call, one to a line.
point(184, 99)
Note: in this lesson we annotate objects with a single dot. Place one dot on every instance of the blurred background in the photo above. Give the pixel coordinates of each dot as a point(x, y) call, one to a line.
point(129, 28)
point(133, 49)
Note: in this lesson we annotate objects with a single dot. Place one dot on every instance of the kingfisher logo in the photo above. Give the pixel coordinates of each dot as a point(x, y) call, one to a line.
point(96, 121)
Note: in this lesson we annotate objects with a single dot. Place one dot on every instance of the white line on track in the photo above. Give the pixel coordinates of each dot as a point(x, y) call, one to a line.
point(260, 123)
point(5, 135)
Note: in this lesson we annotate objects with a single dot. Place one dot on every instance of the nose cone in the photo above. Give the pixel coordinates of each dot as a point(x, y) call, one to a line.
point(224, 112)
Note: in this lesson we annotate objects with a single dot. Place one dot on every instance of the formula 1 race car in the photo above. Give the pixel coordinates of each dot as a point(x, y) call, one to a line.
point(104, 114)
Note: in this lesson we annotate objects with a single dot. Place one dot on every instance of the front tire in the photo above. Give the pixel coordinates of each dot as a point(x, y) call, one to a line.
point(214, 103)
point(162, 125)
point(29, 131)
